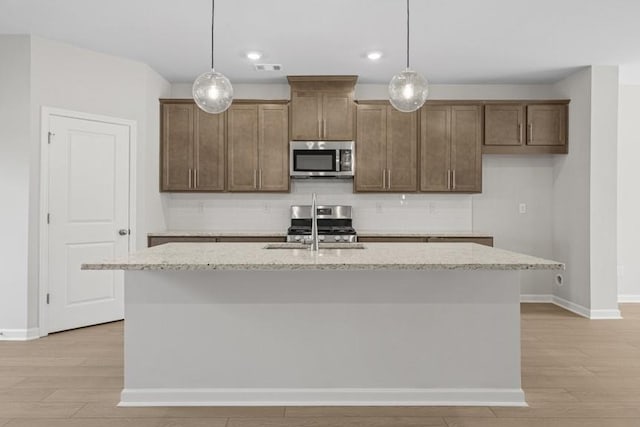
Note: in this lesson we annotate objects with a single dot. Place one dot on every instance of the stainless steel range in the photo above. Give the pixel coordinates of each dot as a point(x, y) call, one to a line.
point(334, 224)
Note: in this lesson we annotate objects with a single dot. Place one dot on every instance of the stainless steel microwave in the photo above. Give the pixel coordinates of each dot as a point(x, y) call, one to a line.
point(322, 159)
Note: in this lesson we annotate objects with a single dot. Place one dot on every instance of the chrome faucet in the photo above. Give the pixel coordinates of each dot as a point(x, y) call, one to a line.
point(314, 224)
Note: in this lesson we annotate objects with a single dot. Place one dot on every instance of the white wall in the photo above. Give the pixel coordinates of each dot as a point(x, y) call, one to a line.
point(70, 78)
point(509, 181)
point(628, 200)
point(603, 184)
point(14, 181)
point(571, 207)
point(584, 193)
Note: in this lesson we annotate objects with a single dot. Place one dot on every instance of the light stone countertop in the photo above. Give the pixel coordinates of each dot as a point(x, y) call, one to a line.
point(211, 233)
point(375, 256)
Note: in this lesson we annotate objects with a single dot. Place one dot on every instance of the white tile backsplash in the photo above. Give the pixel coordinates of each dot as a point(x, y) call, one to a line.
point(270, 212)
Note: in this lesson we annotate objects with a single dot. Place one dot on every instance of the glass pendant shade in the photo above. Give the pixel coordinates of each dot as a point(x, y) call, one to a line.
point(408, 91)
point(213, 92)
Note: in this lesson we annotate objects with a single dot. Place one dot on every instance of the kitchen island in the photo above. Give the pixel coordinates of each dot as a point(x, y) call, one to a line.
point(390, 324)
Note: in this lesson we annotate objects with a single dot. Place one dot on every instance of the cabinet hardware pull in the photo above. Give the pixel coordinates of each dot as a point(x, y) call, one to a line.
point(389, 180)
point(520, 133)
point(255, 179)
point(324, 128)
point(384, 179)
point(319, 128)
point(260, 179)
point(448, 179)
point(530, 132)
point(190, 182)
point(454, 179)
point(195, 178)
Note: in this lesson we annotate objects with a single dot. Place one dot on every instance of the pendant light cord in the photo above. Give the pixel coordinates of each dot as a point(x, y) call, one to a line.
point(213, 7)
point(407, 34)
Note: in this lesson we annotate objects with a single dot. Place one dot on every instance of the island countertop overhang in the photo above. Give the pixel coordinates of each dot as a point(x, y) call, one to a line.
point(375, 256)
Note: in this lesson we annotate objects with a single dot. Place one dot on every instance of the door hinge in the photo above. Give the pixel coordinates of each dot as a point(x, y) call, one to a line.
point(48, 298)
point(48, 218)
point(49, 136)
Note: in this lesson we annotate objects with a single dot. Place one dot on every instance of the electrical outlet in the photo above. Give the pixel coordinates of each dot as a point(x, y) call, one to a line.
point(522, 208)
point(266, 207)
point(559, 279)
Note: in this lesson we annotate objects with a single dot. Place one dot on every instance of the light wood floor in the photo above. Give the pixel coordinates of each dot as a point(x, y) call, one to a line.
point(576, 373)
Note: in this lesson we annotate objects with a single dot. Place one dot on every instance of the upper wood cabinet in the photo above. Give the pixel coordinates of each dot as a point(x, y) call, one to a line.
point(257, 147)
point(535, 127)
point(386, 149)
point(192, 148)
point(322, 108)
point(451, 148)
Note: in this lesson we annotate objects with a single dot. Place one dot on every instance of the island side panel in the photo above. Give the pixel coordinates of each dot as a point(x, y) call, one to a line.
point(322, 338)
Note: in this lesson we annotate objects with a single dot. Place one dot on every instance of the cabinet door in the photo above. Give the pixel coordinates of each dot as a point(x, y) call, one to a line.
point(209, 152)
point(306, 116)
point(435, 123)
point(546, 124)
point(273, 147)
point(337, 117)
point(177, 147)
point(503, 124)
point(371, 148)
point(466, 148)
point(242, 148)
point(402, 150)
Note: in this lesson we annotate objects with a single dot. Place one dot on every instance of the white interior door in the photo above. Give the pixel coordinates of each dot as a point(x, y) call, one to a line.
point(88, 207)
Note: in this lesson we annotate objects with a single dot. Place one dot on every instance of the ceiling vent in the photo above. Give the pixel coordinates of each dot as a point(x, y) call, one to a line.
point(268, 67)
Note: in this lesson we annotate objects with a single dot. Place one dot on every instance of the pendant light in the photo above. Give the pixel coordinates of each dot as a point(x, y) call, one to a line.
point(212, 91)
point(408, 90)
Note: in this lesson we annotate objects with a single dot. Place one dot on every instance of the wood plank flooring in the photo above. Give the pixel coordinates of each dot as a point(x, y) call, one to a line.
point(576, 373)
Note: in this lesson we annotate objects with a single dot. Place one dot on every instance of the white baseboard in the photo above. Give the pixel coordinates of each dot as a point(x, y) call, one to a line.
point(322, 397)
point(628, 298)
point(573, 307)
point(536, 298)
point(19, 334)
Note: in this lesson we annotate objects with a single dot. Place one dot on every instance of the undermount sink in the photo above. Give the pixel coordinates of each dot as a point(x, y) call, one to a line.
point(321, 245)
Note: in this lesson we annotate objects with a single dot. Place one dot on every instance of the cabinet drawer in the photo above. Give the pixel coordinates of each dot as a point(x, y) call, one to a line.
point(487, 241)
point(391, 239)
point(250, 239)
point(161, 240)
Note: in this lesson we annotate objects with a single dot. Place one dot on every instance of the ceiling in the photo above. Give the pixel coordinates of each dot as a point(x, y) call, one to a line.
point(452, 41)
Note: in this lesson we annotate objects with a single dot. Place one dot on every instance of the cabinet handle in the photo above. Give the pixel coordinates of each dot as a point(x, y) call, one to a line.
point(520, 133)
point(319, 128)
point(255, 179)
point(324, 128)
point(260, 179)
point(195, 178)
point(530, 132)
point(384, 179)
point(190, 182)
point(389, 180)
point(448, 179)
point(454, 179)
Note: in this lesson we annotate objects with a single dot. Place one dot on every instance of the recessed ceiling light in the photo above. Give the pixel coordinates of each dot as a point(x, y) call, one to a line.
point(374, 56)
point(254, 56)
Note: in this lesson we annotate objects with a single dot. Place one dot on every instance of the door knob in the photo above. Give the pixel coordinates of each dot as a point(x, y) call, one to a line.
point(123, 232)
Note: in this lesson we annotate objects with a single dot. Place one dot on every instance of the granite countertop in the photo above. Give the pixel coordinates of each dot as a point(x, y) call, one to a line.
point(374, 256)
point(211, 233)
